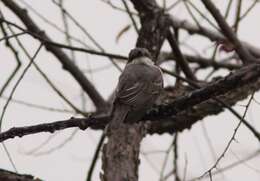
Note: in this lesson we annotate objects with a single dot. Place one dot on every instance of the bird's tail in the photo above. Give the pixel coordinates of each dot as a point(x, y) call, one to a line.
point(119, 114)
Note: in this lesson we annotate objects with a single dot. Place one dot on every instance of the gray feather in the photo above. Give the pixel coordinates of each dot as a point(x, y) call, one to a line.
point(139, 86)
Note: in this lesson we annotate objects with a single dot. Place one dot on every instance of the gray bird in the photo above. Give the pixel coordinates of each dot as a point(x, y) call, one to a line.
point(139, 86)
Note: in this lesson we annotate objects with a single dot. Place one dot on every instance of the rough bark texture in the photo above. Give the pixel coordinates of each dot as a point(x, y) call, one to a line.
point(121, 153)
point(11, 176)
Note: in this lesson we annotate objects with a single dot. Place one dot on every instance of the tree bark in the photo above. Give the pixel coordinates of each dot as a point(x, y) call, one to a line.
point(121, 153)
point(11, 176)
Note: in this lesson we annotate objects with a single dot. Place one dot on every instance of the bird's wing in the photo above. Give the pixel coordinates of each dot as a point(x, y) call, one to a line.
point(135, 90)
point(129, 89)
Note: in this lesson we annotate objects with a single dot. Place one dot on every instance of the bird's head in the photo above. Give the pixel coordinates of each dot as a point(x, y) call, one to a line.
point(138, 53)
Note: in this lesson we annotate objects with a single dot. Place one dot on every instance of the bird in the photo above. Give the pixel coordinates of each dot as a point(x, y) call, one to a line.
point(138, 88)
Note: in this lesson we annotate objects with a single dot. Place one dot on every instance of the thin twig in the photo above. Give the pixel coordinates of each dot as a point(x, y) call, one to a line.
point(37, 106)
point(195, 85)
point(16, 85)
point(47, 41)
point(66, 27)
point(175, 158)
point(36, 153)
point(248, 10)
point(173, 5)
point(230, 141)
point(95, 157)
point(12, 36)
point(9, 157)
point(165, 160)
point(238, 14)
point(53, 25)
point(108, 2)
point(130, 15)
point(74, 20)
point(199, 12)
point(86, 85)
point(17, 58)
point(46, 77)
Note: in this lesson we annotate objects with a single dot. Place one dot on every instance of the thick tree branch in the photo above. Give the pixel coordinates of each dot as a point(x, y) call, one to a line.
point(11, 176)
point(61, 56)
point(82, 123)
point(154, 26)
point(180, 59)
point(146, 8)
point(233, 81)
point(181, 113)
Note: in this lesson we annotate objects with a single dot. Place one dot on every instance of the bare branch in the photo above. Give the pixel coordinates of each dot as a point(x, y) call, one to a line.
point(201, 61)
point(212, 35)
point(243, 53)
point(180, 59)
point(230, 141)
point(17, 58)
point(82, 123)
point(230, 82)
point(11, 176)
point(16, 85)
point(176, 114)
point(130, 15)
point(95, 157)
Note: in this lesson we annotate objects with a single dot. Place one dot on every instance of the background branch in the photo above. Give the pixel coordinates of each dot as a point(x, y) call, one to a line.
point(11, 176)
point(61, 56)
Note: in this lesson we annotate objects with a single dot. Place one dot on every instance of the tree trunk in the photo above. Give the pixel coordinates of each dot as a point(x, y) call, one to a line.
point(121, 153)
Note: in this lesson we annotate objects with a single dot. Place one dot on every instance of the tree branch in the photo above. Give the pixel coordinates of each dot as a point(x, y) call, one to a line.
point(180, 114)
point(201, 61)
point(82, 123)
point(242, 52)
point(212, 35)
point(11, 176)
point(233, 81)
point(180, 59)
